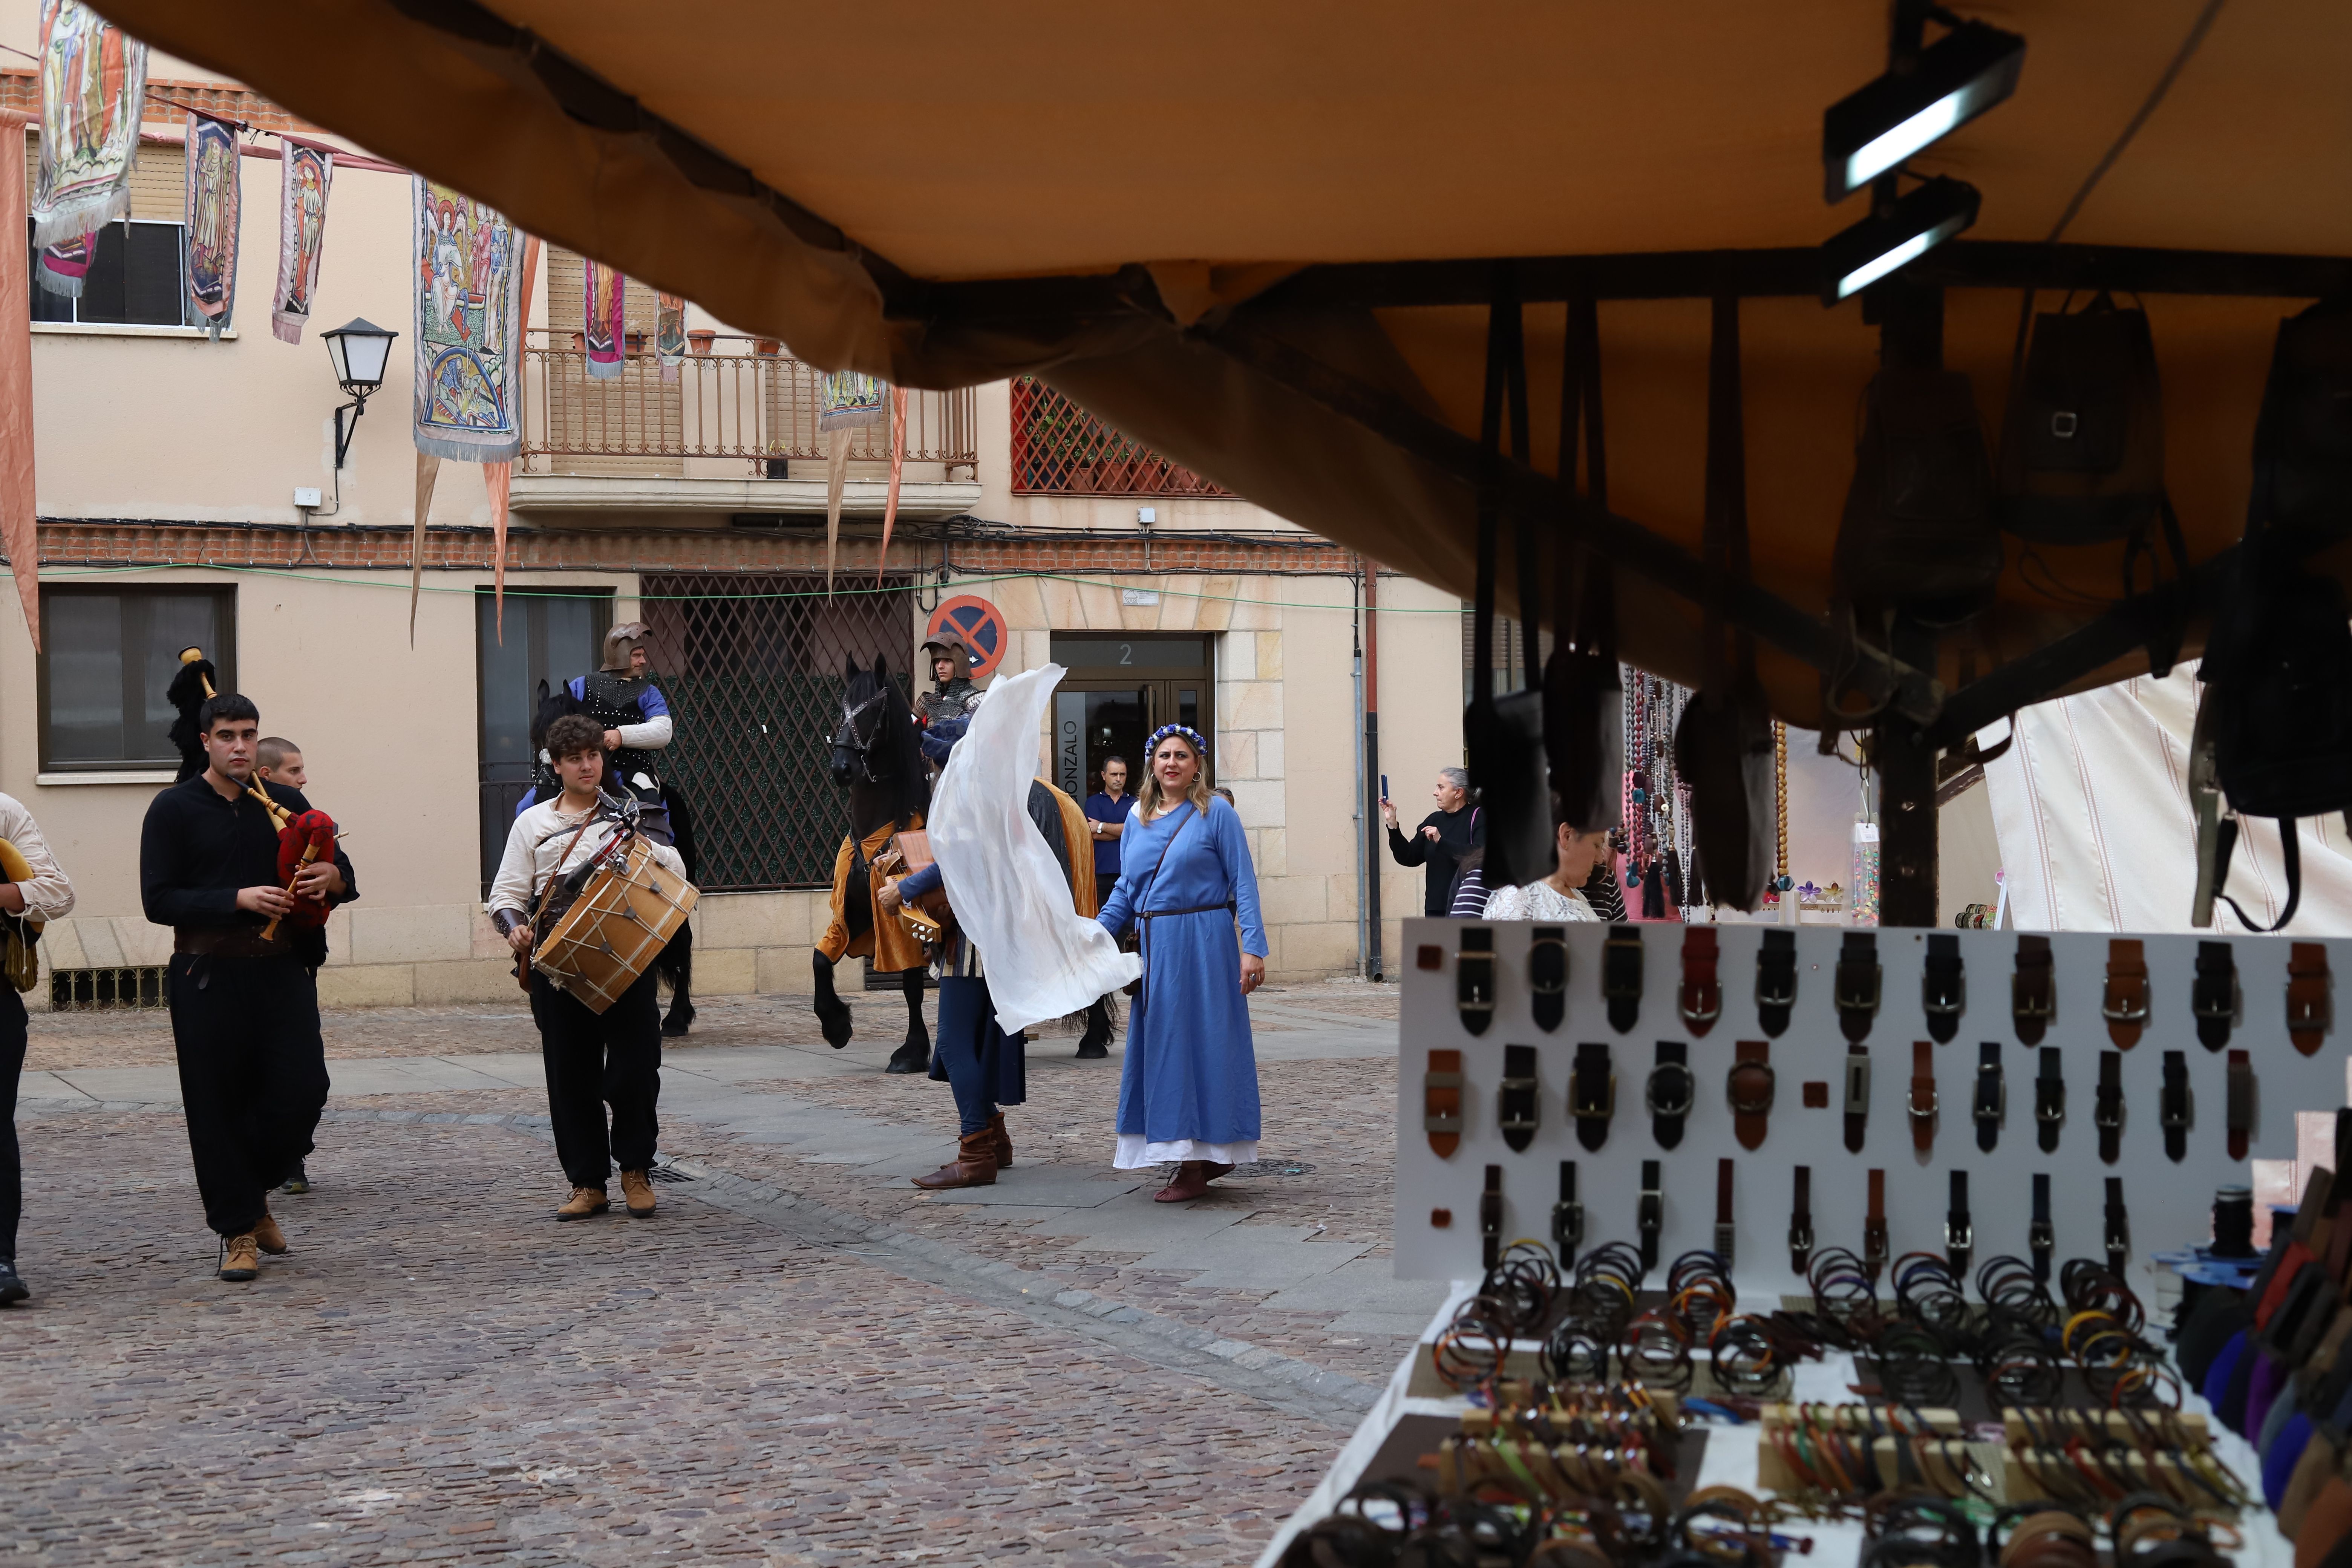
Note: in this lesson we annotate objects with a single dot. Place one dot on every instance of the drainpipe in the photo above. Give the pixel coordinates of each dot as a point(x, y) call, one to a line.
point(1374, 845)
point(1356, 674)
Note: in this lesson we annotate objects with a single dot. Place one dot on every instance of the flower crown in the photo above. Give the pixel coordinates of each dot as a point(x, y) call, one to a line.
point(1200, 745)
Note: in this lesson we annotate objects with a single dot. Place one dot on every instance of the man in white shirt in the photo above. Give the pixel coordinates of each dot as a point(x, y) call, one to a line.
point(44, 896)
point(592, 1060)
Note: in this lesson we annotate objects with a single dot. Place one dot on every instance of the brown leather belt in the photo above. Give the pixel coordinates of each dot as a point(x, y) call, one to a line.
point(1440, 1102)
point(2124, 1006)
point(1924, 1101)
point(1750, 1086)
point(2308, 1008)
point(1702, 993)
point(229, 941)
point(1874, 1226)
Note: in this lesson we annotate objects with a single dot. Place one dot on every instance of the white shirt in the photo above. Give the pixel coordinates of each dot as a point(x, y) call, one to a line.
point(48, 895)
point(1538, 901)
point(546, 842)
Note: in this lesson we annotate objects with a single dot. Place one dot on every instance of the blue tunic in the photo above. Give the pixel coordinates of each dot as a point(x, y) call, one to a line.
point(1190, 1071)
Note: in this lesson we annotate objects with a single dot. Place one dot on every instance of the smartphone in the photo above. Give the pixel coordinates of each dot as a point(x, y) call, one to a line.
point(1384, 786)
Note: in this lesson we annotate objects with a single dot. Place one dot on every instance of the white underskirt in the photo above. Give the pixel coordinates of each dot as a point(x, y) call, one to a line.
point(1135, 1153)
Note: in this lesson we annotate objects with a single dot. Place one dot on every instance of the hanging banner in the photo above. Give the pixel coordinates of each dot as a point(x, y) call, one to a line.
point(605, 296)
point(93, 85)
point(20, 533)
point(669, 333)
point(310, 170)
point(468, 327)
point(65, 265)
point(853, 398)
point(214, 204)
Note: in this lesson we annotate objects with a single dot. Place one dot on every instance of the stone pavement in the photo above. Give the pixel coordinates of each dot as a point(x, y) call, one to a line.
point(803, 1359)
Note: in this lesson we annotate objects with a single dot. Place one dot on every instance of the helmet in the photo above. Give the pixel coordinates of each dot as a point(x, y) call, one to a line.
point(621, 641)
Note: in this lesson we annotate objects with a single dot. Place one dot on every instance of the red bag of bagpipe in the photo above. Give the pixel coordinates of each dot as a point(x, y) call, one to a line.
point(313, 831)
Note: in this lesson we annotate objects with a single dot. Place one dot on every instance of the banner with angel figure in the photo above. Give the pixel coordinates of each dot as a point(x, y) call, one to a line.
point(301, 233)
point(93, 88)
point(468, 327)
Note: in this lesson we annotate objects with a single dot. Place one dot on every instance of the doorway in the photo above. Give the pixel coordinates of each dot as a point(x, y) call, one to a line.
point(1120, 688)
point(551, 634)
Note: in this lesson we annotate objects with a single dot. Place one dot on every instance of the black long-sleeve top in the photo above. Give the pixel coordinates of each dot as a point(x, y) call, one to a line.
point(198, 851)
point(1457, 833)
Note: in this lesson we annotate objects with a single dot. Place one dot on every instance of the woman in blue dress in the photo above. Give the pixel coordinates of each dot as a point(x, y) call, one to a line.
point(1189, 1090)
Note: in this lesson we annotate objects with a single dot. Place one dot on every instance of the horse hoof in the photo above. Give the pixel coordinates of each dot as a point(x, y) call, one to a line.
point(910, 1059)
point(676, 1029)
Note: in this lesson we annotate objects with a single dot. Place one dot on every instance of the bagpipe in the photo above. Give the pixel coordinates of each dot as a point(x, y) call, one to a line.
point(303, 838)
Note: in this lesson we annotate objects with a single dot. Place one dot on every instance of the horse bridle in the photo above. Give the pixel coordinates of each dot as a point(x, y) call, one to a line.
point(848, 740)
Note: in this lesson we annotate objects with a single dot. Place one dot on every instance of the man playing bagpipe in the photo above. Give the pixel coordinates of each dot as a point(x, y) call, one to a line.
point(244, 873)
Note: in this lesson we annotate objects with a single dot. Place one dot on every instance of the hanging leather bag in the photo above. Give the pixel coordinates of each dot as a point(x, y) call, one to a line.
point(1584, 708)
point(2081, 446)
point(1918, 529)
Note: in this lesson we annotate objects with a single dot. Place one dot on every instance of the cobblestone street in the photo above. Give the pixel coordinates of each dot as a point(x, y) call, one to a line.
point(800, 1361)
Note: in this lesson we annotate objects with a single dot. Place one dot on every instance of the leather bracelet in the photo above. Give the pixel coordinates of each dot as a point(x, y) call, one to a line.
point(2213, 994)
point(1440, 1102)
point(2310, 1009)
point(1925, 1100)
point(2125, 1001)
point(1857, 979)
point(2107, 1112)
point(2040, 1238)
point(1800, 1222)
point(1669, 1093)
point(2032, 992)
point(2241, 1103)
point(1701, 1000)
point(2173, 1109)
point(1519, 1107)
point(1943, 988)
point(1775, 981)
point(1620, 976)
point(1474, 978)
point(1989, 1104)
point(2050, 1099)
point(1592, 1095)
point(1857, 1097)
point(1749, 1087)
point(1547, 976)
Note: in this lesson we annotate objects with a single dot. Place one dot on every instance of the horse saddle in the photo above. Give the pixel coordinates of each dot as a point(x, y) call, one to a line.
point(910, 852)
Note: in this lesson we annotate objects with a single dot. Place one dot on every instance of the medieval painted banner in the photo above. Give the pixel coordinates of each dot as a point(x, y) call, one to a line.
point(310, 170)
point(669, 333)
point(605, 298)
point(65, 265)
point(94, 87)
point(853, 398)
point(468, 327)
point(215, 204)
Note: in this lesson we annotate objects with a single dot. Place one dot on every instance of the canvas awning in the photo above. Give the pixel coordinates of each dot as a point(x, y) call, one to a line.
point(1182, 214)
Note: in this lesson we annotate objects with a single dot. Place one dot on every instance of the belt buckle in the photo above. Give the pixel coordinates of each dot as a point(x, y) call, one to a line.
point(2041, 1236)
point(1992, 1095)
point(1935, 1104)
point(2172, 1113)
point(1512, 1087)
point(2029, 1007)
point(1650, 1214)
point(1678, 1072)
point(1568, 1225)
point(1850, 1002)
point(2053, 1107)
point(1712, 1014)
point(1740, 1107)
point(1943, 1005)
point(2125, 1014)
point(1548, 987)
point(2227, 1009)
point(2107, 1112)
point(2307, 1015)
point(1961, 1239)
point(1725, 1236)
point(1582, 1107)
point(1776, 998)
point(1800, 1243)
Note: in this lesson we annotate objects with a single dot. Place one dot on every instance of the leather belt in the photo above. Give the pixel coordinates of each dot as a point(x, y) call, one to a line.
point(2241, 1103)
point(1592, 1095)
point(1874, 1228)
point(229, 941)
point(1925, 1102)
point(1490, 1215)
point(2108, 1111)
point(2213, 995)
point(1702, 994)
point(2033, 995)
point(2050, 1099)
point(2124, 1002)
point(1650, 1215)
point(1775, 981)
point(1857, 1096)
point(1990, 1102)
point(2172, 1107)
point(1960, 1231)
point(1943, 990)
point(1857, 980)
point(1547, 976)
point(2309, 1008)
point(1726, 1231)
point(1440, 1102)
point(1620, 976)
point(1521, 1103)
point(1800, 1222)
point(1749, 1085)
point(1567, 1216)
point(2118, 1228)
point(1474, 978)
point(1669, 1092)
point(2041, 1239)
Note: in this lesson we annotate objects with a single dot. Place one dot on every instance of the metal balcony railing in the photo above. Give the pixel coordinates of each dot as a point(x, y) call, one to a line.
point(1060, 450)
point(731, 399)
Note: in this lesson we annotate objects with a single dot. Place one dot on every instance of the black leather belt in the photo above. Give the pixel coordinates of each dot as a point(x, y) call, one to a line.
point(2033, 995)
point(1620, 976)
point(1857, 1096)
point(2107, 1112)
point(1521, 1101)
point(1726, 1233)
point(1991, 1103)
point(230, 941)
point(1960, 1231)
point(2214, 994)
point(1874, 1228)
point(1567, 1216)
point(1490, 1215)
point(1943, 990)
point(2241, 1103)
point(2040, 1238)
point(1669, 1092)
point(2050, 1099)
point(2172, 1107)
point(1547, 976)
point(1650, 1214)
point(1800, 1222)
point(1592, 1095)
point(1857, 979)
point(1775, 981)
point(1474, 978)
point(2118, 1228)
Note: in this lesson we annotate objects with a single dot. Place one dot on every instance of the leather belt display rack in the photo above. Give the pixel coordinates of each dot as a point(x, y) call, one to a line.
point(2309, 1008)
point(2107, 1112)
point(1800, 1222)
point(1520, 1105)
point(2032, 992)
point(1592, 1095)
point(1857, 981)
point(1775, 981)
point(2050, 1099)
point(1726, 1231)
point(2213, 994)
point(2241, 1103)
point(1943, 989)
point(1669, 1092)
point(1989, 1104)
point(1925, 1102)
point(1959, 1230)
point(2125, 1004)
point(1547, 976)
point(1440, 1102)
point(1474, 978)
point(2118, 1228)
point(1567, 1216)
point(1857, 1097)
point(1620, 976)
point(1874, 1228)
point(2040, 1238)
point(1749, 1086)
point(1702, 994)
point(1490, 1215)
point(1650, 1214)
point(2173, 1109)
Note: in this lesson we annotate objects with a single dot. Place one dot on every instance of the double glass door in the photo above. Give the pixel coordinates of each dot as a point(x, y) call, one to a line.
point(1119, 690)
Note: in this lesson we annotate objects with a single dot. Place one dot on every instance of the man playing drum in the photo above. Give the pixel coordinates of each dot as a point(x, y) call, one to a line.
point(592, 1060)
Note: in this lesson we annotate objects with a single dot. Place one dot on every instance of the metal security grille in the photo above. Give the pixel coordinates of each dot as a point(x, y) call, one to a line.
point(752, 668)
point(96, 990)
point(1059, 449)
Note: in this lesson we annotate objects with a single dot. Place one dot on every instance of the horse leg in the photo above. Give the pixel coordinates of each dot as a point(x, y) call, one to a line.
point(676, 963)
point(1096, 1042)
point(832, 1011)
point(915, 1056)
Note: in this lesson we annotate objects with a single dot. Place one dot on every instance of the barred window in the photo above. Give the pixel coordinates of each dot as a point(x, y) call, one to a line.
point(108, 656)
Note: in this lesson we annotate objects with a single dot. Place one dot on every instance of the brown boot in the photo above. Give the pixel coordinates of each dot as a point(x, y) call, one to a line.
point(638, 1191)
point(240, 1259)
point(973, 1166)
point(268, 1237)
point(1003, 1142)
point(584, 1203)
point(1191, 1182)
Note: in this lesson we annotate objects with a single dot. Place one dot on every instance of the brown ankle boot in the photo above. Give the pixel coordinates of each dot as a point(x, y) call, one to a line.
point(268, 1237)
point(973, 1166)
point(638, 1191)
point(1003, 1145)
point(240, 1259)
point(583, 1203)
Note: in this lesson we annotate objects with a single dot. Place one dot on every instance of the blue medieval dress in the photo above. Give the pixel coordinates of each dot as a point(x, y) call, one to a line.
point(1189, 1088)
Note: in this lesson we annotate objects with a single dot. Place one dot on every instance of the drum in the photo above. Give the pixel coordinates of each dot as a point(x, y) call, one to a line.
point(18, 933)
point(927, 917)
point(618, 926)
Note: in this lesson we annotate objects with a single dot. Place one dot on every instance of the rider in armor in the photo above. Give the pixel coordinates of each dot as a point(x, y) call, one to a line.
point(952, 695)
point(622, 697)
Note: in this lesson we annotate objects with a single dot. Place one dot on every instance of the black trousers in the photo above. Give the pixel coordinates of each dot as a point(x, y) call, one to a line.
point(595, 1060)
point(253, 1076)
point(11, 1170)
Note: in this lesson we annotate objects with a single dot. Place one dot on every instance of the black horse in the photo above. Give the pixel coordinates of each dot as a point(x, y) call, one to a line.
point(877, 757)
point(675, 963)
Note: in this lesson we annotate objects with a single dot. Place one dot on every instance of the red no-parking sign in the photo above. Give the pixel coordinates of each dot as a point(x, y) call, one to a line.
point(979, 625)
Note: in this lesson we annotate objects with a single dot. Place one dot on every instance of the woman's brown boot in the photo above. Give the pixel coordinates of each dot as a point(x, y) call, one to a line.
point(1003, 1142)
point(973, 1166)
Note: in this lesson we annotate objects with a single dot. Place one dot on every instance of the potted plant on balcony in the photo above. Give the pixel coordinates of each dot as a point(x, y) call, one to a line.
point(700, 341)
